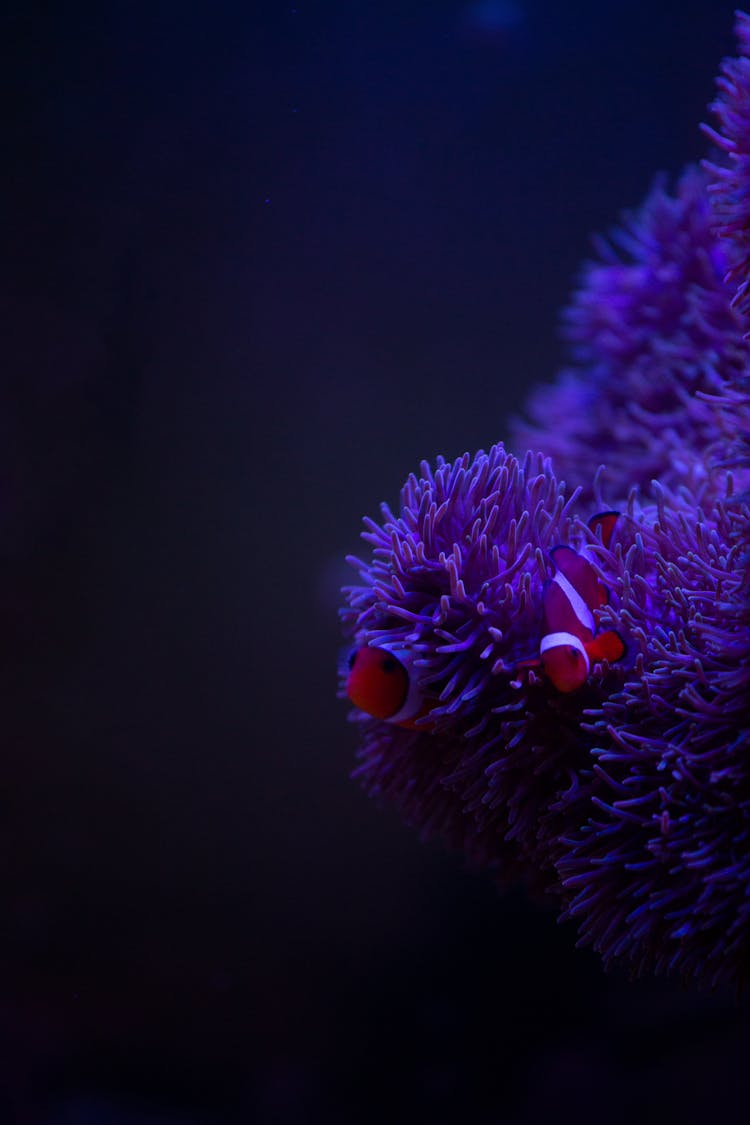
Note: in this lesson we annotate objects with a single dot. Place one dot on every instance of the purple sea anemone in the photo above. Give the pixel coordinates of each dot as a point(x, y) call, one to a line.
point(658, 875)
point(456, 577)
point(730, 186)
point(651, 330)
point(626, 794)
point(729, 192)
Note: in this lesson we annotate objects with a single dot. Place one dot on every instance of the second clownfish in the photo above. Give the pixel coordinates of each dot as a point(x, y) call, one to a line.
point(570, 601)
point(382, 683)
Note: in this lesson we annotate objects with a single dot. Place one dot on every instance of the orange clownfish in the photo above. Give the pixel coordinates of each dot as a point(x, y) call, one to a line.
point(570, 601)
point(382, 683)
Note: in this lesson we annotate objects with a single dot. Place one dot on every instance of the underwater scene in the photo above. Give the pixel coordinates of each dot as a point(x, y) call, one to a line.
point(374, 509)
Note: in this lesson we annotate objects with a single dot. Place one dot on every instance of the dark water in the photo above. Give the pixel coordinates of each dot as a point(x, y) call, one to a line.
point(258, 261)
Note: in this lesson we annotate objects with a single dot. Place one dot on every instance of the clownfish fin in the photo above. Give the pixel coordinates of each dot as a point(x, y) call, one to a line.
point(604, 522)
point(607, 646)
point(562, 551)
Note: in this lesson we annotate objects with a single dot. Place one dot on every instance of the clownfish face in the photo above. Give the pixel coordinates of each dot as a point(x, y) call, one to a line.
point(378, 683)
point(565, 661)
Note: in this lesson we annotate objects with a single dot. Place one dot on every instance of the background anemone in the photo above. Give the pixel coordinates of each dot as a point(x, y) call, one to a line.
point(730, 180)
point(729, 193)
point(651, 330)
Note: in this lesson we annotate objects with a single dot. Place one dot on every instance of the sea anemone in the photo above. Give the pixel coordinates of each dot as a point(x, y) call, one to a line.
point(730, 182)
point(627, 798)
point(658, 875)
point(729, 193)
point(651, 330)
point(456, 577)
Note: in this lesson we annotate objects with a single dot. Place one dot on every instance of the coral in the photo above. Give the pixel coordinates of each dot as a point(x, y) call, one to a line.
point(628, 798)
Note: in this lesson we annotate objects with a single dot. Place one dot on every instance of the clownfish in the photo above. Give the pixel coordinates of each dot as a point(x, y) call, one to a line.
point(570, 601)
point(382, 683)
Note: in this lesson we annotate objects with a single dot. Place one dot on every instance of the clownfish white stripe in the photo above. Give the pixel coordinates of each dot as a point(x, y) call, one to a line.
point(553, 640)
point(577, 604)
point(412, 705)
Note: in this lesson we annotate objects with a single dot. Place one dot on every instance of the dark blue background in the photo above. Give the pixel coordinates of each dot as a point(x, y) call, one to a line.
point(258, 261)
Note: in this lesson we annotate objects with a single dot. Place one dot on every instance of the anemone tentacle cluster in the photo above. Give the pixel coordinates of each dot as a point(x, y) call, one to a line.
point(658, 873)
point(729, 188)
point(627, 798)
point(652, 330)
point(457, 576)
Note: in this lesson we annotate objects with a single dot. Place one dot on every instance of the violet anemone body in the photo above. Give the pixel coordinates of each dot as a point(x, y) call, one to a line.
point(657, 876)
point(629, 798)
point(457, 577)
point(651, 331)
point(729, 188)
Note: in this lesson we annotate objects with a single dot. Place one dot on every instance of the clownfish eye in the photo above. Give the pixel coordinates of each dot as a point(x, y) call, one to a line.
point(573, 653)
point(389, 664)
